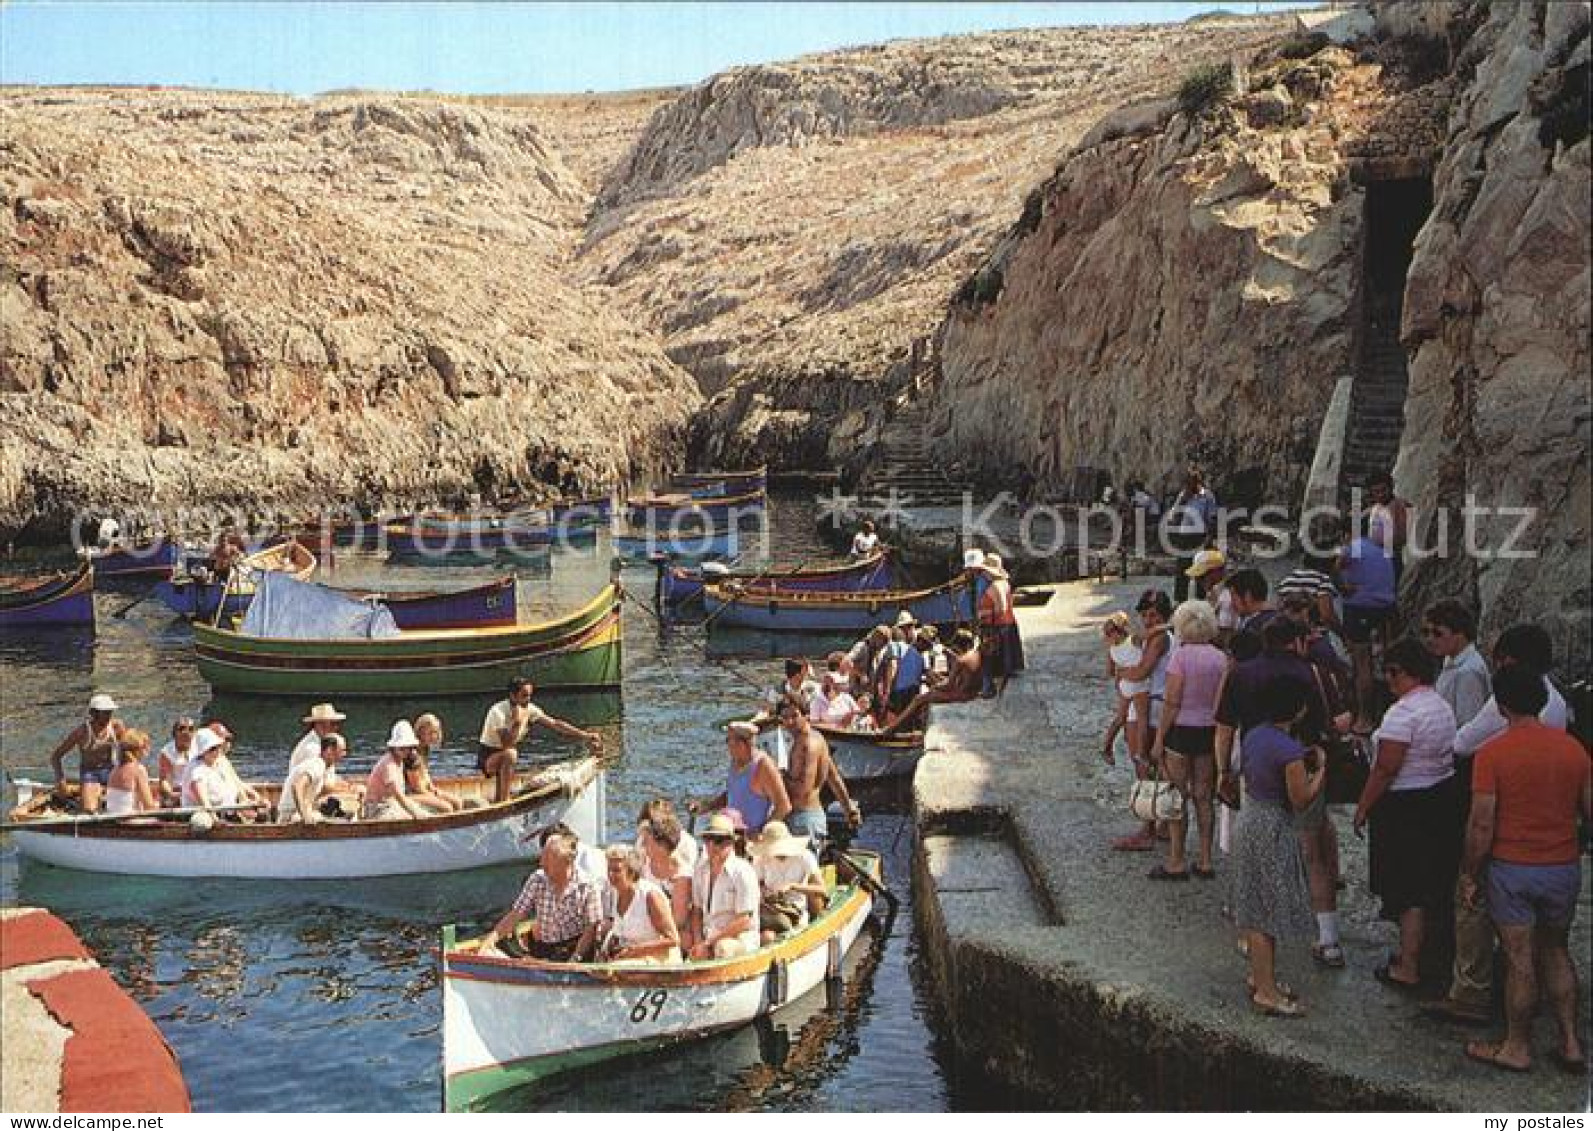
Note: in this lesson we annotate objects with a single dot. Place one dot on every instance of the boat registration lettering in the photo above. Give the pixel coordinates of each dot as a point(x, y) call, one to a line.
point(649, 1006)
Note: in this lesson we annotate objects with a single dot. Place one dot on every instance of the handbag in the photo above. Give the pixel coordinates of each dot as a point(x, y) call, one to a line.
point(1155, 800)
point(1349, 764)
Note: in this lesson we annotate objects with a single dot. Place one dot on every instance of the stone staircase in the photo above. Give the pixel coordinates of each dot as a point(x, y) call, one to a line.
point(1377, 406)
point(908, 467)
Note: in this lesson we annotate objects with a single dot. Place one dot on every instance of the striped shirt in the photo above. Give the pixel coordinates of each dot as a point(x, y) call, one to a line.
point(1306, 583)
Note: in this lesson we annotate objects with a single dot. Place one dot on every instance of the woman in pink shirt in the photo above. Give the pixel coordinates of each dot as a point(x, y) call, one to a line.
point(1185, 745)
point(386, 798)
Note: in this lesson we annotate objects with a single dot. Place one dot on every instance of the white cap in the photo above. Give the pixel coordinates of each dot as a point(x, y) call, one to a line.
point(403, 735)
point(102, 702)
point(973, 559)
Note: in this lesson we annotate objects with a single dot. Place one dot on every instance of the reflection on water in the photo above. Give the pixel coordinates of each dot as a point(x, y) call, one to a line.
point(324, 996)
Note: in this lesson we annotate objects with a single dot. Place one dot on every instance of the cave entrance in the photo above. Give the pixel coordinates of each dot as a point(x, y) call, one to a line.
point(1395, 210)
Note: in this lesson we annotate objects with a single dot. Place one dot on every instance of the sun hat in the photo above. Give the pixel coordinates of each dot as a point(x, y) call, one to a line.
point(206, 740)
point(742, 729)
point(720, 826)
point(993, 566)
point(102, 702)
point(403, 735)
point(905, 618)
point(1205, 562)
point(776, 840)
point(973, 559)
point(324, 713)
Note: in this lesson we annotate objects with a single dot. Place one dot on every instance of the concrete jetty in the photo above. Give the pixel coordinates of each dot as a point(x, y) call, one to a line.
point(1064, 972)
point(73, 1040)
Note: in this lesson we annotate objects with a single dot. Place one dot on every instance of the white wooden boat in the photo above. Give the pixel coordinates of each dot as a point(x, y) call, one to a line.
point(508, 1022)
point(571, 792)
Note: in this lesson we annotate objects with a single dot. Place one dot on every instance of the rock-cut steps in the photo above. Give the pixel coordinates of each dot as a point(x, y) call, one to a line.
point(1377, 405)
point(907, 467)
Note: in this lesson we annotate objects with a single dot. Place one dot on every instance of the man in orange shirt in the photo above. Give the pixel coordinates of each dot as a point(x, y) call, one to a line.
point(1529, 785)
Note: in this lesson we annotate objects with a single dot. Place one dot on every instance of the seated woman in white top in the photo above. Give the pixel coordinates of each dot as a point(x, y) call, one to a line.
point(129, 790)
point(174, 759)
point(639, 926)
point(788, 875)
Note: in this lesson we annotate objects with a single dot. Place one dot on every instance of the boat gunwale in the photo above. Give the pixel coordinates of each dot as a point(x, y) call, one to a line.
point(842, 598)
point(775, 576)
point(51, 588)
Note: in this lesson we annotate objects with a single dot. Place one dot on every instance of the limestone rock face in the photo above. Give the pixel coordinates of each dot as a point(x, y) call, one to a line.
point(277, 304)
point(794, 231)
point(1182, 293)
point(1496, 319)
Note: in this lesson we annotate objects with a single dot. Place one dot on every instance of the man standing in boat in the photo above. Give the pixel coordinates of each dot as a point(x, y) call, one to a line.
point(506, 726)
point(810, 768)
point(754, 788)
point(323, 720)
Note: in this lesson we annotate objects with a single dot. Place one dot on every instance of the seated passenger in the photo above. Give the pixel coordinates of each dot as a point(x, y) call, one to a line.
point(833, 705)
point(659, 841)
point(564, 907)
point(205, 784)
point(174, 758)
point(687, 851)
point(129, 789)
point(724, 896)
point(963, 684)
point(96, 742)
point(791, 883)
point(641, 927)
point(417, 769)
point(311, 782)
point(385, 795)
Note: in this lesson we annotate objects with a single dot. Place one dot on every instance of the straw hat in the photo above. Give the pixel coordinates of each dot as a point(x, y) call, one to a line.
point(719, 825)
point(1205, 562)
point(324, 713)
point(102, 702)
point(777, 841)
point(993, 566)
point(403, 736)
point(904, 619)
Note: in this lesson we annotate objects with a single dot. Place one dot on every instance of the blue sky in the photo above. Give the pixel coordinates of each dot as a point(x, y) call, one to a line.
point(302, 48)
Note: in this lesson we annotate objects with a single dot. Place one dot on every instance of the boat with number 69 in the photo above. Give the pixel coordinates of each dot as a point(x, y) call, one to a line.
point(508, 1022)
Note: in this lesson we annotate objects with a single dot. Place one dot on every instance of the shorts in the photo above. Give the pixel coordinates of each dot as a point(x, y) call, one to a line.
point(99, 775)
point(899, 700)
point(1361, 622)
point(1192, 742)
point(1524, 895)
point(483, 752)
point(811, 823)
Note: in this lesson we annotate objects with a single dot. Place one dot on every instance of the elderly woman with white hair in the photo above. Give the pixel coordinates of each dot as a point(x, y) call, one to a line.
point(640, 927)
point(1185, 745)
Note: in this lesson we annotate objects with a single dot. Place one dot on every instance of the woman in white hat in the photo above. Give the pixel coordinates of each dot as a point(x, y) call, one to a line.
point(98, 741)
point(323, 719)
point(790, 881)
point(385, 796)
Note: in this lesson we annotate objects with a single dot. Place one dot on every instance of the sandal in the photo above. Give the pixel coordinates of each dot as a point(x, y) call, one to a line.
point(1283, 988)
point(1288, 1007)
point(1204, 873)
point(1487, 1052)
point(1331, 956)
point(1161, 873)
point(1133, 844)
point(1385, 975)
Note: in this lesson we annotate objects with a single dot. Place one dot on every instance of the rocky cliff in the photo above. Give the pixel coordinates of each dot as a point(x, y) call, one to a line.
point(1496, 319)
point(794, 231)
point(274, 304)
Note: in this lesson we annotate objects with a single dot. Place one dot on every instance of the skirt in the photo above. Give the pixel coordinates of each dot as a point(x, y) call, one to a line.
point(1414, 848)
point(1003, 649)
point(1270, 890)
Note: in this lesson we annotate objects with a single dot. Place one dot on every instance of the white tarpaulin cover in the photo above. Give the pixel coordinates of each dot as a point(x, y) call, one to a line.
point(286, 609)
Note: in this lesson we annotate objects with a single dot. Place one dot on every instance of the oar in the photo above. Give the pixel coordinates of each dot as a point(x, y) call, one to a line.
point(131, 605)
point(868, 882)
point(117, 818)
point(747, 588)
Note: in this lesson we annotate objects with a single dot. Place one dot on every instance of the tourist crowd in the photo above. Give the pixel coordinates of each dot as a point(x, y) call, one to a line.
point(1251, 708)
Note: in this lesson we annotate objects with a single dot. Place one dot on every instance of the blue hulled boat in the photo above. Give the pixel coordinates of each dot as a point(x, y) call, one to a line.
point(777, 610)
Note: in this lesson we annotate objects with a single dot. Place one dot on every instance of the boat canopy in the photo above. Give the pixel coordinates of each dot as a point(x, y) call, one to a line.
point(286, 609)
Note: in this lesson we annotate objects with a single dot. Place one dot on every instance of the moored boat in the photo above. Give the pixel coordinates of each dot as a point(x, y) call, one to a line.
point(676, 509)
point(197, 598)
point(287, 646)
point(65, 598)
point(483, 539)
point(488, 833)
point(144, 561)
point(863, 757)
point(779, 610)
point(508, 1022)
point(726, 482)
point(699, 545)
point(680, 584)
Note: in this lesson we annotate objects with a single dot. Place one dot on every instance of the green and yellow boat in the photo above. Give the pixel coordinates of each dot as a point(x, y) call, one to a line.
point(578, 652)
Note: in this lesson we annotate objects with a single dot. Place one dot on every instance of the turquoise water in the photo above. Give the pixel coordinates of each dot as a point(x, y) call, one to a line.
point(324, 996)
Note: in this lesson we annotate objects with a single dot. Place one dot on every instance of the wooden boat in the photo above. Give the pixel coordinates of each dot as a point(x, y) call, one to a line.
point(509, 1022)
point(581, 651)
point(153, 559)
point(727, 482)
point(481, 606)
point(63, 598)
point(330, 850)
point(863, 757)
point(200, 600)
point(594, 510)
point(661, 512)
point(480, 539)
point(700, 545)
point(680, 584)
point(779, 610)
